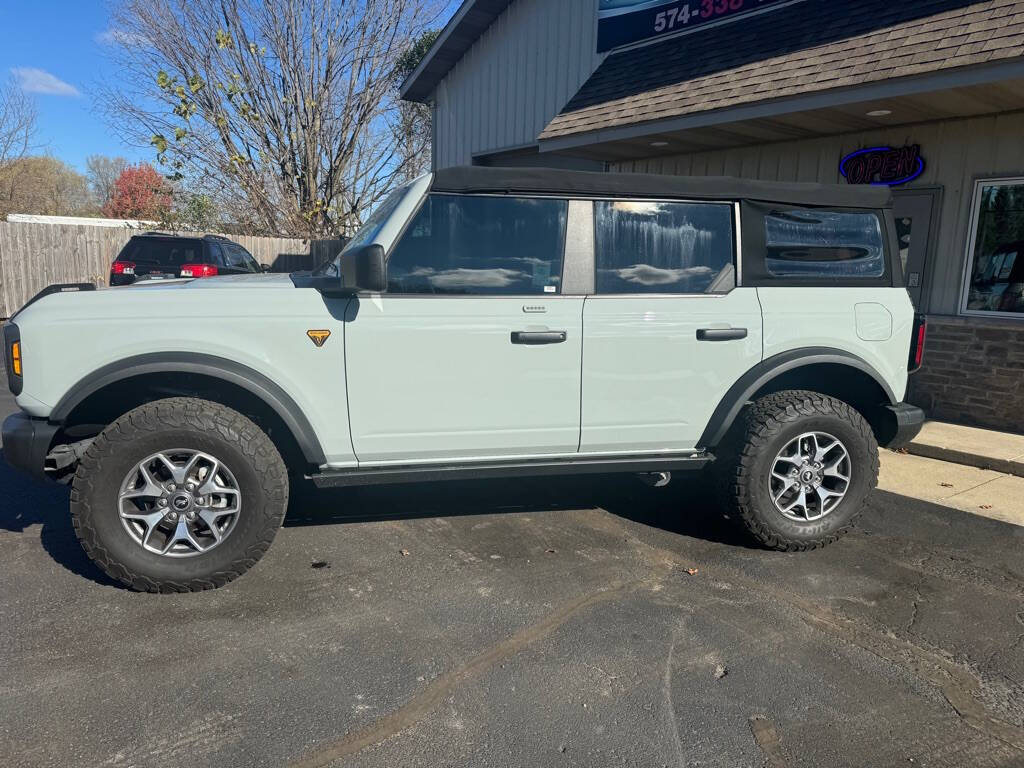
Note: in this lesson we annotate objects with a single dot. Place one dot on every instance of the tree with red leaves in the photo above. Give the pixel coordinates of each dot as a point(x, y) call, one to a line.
point(140, 192)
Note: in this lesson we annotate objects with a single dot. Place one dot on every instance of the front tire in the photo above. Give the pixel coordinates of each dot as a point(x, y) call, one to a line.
point(798, 468)
point(179, 495)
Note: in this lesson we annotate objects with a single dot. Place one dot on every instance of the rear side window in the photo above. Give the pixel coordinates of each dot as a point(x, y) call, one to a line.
point(237, 257)
point(656, 247)
point(829, 244)
point(477, 245)
point(216, 257)
point(162, 252)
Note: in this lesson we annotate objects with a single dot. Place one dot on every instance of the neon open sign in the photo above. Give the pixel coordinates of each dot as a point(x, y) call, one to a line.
point(883, 166)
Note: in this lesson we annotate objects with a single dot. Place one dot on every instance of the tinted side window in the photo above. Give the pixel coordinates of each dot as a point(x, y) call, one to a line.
point(216, 256)
point(466, 244)
point(651, 247)
point(812, 243)
point(238, 258)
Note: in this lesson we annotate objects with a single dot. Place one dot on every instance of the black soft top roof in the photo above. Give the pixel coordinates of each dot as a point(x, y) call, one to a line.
point(509, 181)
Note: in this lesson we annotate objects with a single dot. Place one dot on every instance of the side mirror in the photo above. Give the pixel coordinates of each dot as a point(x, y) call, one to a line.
point(365, 269)
point(265, 267)
point(362, 269)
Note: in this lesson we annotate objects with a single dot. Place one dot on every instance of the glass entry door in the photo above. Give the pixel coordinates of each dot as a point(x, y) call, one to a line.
point(914, 211)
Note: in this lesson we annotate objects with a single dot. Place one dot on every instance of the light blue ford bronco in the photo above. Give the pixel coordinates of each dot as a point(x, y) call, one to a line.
point(483, 323)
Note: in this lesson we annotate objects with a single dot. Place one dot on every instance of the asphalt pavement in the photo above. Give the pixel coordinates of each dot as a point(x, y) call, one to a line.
point(591, 622)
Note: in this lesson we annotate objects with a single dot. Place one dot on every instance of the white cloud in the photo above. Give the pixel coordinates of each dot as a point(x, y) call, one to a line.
point(114, 36)
point(32, 80)
point(645, 274)
point(638, 208)
point(469, 278)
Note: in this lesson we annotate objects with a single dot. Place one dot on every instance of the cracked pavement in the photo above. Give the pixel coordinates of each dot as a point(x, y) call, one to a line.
point(533, 623)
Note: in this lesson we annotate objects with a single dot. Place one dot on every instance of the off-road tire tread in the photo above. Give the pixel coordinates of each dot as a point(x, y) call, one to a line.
point(761, 421)
point(182, 413)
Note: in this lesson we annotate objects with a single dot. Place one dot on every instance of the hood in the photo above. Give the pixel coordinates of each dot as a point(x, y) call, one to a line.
point(142, 296)
point(226, 281)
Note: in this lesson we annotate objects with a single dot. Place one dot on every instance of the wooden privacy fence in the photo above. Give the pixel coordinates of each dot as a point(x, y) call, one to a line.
point(33, 256)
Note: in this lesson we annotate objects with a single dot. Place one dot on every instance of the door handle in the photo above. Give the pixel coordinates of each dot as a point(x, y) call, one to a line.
point(721, 334)
point(536, 338)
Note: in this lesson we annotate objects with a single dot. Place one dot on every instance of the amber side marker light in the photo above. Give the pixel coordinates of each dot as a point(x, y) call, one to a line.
point(16, 358)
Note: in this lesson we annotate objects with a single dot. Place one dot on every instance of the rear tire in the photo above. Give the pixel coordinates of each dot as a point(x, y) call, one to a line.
point(789, 492)
point(213, 465)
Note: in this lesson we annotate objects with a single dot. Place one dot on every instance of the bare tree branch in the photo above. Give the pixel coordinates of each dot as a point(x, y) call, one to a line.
point(102, 172)
point(18, 123)
point(283, 110)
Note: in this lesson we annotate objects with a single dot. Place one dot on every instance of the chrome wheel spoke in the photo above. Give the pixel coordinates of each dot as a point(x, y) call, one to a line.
point(150, 518)
point(177, 473)
point(192, 466)
point(799, 501)
point(181, 535)
point(796, 460)
point(211, 486)
point(790, 484)
point(150, 488)
point(149, 534)
point(822, 450)
point(825, 494)
point(209, 516)
point(834, 469)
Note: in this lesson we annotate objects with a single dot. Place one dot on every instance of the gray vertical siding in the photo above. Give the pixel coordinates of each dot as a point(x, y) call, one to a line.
point(956, 152)
point(515, 78)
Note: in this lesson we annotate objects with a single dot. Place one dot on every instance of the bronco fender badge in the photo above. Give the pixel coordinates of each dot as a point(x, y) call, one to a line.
point(318, 337)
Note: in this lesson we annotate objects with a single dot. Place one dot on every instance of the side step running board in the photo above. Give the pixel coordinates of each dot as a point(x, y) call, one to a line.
point(424, 473)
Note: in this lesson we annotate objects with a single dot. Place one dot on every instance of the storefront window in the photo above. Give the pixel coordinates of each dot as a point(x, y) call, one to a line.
point(904, 228)
point(995, 274)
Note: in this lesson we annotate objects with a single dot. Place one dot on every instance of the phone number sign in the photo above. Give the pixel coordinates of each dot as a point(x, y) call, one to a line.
point(621, 22)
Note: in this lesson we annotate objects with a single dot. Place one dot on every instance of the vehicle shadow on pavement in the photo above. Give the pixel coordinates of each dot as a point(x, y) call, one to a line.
point(686, 507)
point(29, 502)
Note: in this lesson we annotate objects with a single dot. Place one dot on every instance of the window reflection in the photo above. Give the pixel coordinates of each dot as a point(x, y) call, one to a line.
point(814, 243)
point(657, 247)
point(997, 274)
point(465, 244)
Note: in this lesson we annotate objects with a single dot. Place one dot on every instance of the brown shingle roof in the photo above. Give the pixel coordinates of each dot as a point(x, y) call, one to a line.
point(812, 46)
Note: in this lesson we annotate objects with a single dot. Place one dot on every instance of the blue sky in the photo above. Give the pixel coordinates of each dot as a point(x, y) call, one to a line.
point(63, 39)
point(55, 49)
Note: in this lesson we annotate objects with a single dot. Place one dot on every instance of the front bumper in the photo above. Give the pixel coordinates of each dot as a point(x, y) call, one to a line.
point(904, 424)
point(27, 442)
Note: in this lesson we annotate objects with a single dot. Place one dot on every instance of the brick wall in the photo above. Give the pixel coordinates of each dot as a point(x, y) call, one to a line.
point(973, 372)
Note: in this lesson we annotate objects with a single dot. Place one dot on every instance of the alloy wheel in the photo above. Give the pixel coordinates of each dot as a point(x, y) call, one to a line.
point(179, 503)
point(810, 477)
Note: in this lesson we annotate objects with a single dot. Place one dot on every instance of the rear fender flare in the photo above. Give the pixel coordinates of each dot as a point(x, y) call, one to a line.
point(766, 371)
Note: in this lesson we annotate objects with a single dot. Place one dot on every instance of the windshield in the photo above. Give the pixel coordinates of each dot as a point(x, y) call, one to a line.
point(367, 233)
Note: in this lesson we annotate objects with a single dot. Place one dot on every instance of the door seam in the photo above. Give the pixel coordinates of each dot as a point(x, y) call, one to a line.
point(344, 362)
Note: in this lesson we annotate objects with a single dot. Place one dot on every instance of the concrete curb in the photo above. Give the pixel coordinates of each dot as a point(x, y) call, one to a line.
point(1005, 466)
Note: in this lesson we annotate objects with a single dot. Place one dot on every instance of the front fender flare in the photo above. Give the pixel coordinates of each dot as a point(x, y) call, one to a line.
point(764, 372)
point(221, 368)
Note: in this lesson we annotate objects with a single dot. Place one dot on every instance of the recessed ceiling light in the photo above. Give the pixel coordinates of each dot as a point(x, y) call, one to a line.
point(659, 143)
point(880, 113)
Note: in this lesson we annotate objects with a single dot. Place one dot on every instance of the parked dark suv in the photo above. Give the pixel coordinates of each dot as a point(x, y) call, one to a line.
point(158, 256)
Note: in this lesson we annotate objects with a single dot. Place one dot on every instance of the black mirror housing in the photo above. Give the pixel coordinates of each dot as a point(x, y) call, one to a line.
point(365, 269)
